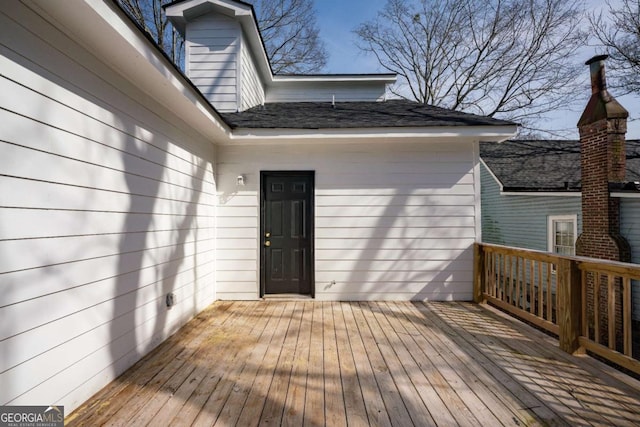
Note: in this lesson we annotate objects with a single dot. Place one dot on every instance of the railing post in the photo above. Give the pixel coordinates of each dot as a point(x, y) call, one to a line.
point(478, 274)
point(569, 288)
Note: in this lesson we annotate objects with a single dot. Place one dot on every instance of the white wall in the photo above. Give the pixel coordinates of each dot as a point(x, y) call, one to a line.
point(212, 57)
point(393, 221)
point(251, 89)
point(107, 204)
point(630, 229)
point(325, 91)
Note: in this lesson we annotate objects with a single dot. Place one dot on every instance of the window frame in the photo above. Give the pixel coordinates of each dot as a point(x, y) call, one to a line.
point(551, 219)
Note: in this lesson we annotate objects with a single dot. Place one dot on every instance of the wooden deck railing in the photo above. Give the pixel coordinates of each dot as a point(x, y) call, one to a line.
point(585, 302)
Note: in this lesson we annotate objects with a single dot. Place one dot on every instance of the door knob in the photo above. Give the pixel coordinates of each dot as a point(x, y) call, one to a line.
point(267, 243)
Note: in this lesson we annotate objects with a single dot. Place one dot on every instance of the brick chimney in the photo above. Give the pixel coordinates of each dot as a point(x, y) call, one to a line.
point(602, 127)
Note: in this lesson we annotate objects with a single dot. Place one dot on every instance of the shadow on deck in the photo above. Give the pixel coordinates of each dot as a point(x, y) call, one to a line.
point(339, 363)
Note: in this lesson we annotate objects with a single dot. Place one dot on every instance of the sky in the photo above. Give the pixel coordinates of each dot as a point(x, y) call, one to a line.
point(338, 18)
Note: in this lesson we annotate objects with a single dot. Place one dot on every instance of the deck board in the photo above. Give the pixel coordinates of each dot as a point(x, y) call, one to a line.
point(362, 363)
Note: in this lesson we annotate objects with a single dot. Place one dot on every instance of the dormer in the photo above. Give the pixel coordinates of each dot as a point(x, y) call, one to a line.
point(226, 59)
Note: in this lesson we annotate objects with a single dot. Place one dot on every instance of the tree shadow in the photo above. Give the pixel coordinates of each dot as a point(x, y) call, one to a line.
point(439, 273)
point(141, 314)
point(556, 387)
point(290, 363)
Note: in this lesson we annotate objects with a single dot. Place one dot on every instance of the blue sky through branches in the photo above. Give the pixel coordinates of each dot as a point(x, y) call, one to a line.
point(338, 18)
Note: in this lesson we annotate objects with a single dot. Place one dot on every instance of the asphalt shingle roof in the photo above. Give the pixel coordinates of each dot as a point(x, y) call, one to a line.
point(546, 165)
point(323, 115)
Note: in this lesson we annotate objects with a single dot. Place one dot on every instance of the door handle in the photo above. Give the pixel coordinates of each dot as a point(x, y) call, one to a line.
point(267, 243)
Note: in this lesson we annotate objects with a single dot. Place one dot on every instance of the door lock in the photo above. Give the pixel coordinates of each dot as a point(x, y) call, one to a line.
point(267, 234)
point(267, 243)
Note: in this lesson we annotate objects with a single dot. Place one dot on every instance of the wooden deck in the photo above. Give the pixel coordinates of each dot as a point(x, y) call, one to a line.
point(316, 363)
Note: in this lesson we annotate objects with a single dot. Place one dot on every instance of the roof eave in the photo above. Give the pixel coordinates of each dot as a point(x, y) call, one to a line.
point(346, 78)
point(132, 54)
point(352, 135)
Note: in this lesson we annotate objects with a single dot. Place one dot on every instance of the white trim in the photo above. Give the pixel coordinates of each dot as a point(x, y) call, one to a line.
point(550, 221)
point(239, 68)
point(543, 193)
point(495, 178)
point(477, 190)
point(129, 53)
point(384, 78)
point(626, 195)
point(497, 133)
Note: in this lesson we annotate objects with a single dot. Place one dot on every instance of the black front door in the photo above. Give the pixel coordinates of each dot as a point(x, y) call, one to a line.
point(287, 232)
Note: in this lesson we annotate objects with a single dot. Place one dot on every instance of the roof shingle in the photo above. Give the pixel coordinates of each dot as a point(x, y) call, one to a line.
point(323, 115)
point(545, 165)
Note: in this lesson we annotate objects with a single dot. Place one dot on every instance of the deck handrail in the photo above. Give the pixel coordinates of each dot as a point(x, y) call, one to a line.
point(586, 302)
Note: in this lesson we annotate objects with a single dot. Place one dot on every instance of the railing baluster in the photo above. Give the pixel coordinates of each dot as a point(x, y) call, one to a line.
point(532, 289)
point(494, 272)
point(540, 291)
point(507, 278)
point(549, 290)
point(626, 316)
point(486, 272)
point(585, 324)
point(516, 277)
point(611, 310)
point(500, 260)
point(518, 298)
point(596, 307)
point(494, 282)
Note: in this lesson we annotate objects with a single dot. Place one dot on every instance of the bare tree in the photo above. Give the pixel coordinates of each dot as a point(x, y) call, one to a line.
point(150, 16)
point(507, 58)
point(291, 35)
point(288, 28)
point(619, 33)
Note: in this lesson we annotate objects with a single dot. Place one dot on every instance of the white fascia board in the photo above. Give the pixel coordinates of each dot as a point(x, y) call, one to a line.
point(495, 178)
point(256, 47)
point(346, 78)
point(542, 193)
point(103, 29)
point(624, 195)
point(180, 13)
point(352, 135)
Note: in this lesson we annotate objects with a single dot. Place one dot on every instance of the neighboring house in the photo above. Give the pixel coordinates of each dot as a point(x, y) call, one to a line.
point(531, 194)
point(133, 196)
point(572, 197)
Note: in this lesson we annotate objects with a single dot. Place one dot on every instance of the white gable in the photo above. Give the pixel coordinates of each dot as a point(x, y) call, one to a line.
point(212, 44)
point(225, 59)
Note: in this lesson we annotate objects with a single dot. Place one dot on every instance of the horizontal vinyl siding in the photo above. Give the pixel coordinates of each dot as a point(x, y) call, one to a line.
point(212, 59)
point(521, 221)
point(252, 89)
point(107, 204)
point(393, 221)
point(325, 92)
point(630, 229)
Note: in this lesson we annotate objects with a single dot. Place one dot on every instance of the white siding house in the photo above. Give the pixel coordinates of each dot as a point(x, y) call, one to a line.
point(124, 185)
point(107, 205)
point(393, 221)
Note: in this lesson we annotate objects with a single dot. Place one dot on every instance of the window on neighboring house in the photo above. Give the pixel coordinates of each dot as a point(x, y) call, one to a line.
point(563, 232)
